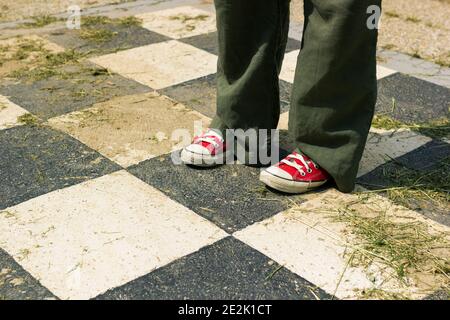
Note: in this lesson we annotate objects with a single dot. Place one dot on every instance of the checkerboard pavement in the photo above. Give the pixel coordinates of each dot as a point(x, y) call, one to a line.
point(92, 206)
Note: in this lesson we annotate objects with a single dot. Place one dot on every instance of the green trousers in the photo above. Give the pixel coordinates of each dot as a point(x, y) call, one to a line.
point(335, 87)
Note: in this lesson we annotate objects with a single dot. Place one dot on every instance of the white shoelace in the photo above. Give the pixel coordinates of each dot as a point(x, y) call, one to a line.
point(204, 138)
point(296, 165)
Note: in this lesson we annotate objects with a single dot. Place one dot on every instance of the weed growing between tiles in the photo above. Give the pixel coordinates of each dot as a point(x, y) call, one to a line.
point(409, 251)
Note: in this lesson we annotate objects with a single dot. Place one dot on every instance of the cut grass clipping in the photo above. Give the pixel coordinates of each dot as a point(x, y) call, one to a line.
point(410, 184)
point(404, 247)
point(189, 21)
point(93, 27)
point(436, 129)
point(45, 64)
point(41, 21)
point(49, 65)
point(24, 49)
point(28, 119)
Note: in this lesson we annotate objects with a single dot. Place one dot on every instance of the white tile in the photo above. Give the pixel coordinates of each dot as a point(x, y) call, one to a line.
point(9, 113)
point(383, 72)
point(309, 240)
point(179, 22)
point(296, 30)
point(384, 145)
point(284, 121)
point(82, 240)
point(289, 64)
point(162, 64)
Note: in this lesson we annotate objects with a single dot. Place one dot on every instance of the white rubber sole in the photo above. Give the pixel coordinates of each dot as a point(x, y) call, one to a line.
point(288, 186)
point(202, 160)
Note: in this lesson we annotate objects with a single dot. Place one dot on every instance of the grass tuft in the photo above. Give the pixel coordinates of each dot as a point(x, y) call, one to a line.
point(436, 129)
point(95, 21)
point(97, 35)
point(28, 119)
point(405, 247)
point(411, 184)
point(41, 21)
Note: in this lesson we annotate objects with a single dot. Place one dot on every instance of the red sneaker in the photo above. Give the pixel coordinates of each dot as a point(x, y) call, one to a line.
point(294, 174)
point(206, 150)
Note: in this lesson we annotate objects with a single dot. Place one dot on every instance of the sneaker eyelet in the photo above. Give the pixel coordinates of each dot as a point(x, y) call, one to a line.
point(303, 174)
point(309, 171)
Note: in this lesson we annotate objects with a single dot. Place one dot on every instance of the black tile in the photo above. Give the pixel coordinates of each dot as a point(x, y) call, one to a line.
point(285, 95)
point(122, 37)
point(228, 269)
point(423, 167)
point(17, 284)
point(292, 45)
point(443, 294)
point(35, 160)
point(81, 86)
point(198, 94)
point(207, 42)
point(412, 100)
point(231, 196)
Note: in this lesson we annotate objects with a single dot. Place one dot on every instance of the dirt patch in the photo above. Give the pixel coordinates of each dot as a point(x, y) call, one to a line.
point(24, 53)
point(130, 129)
point(415, 27)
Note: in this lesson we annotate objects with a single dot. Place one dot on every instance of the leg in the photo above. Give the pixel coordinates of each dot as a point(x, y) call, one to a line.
point(252, 40)
point(335, 89)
